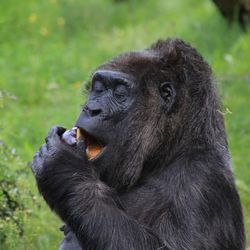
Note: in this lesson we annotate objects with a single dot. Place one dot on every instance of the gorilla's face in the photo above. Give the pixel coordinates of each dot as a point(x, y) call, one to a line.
point(111, 95)
point(114, 99)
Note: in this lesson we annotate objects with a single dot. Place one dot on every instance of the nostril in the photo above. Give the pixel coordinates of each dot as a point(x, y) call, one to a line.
point(92, 109)
point(95, 112)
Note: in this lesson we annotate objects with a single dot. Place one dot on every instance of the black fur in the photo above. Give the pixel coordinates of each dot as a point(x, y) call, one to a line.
point(164, 180)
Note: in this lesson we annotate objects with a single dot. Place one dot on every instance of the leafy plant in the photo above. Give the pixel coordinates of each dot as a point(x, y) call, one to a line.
point(13, 198)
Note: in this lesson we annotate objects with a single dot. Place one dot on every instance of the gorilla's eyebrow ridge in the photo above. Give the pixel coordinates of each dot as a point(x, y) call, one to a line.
point(111, 76)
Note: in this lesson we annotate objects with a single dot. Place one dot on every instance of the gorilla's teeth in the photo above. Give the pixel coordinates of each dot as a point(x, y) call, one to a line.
point(78, 133)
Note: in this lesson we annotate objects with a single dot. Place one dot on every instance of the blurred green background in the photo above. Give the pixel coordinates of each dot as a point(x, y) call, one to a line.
point(47, 51)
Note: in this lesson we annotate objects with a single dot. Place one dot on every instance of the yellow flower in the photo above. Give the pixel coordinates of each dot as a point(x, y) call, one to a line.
point(60, 21)
point(44, 31)
point(33, 18)
point(77, 85)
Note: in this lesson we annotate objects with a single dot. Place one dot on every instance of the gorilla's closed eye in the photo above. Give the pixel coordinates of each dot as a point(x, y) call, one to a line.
point(120, 91)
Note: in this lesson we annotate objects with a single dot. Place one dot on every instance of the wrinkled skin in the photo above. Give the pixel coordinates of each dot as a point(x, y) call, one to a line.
point(163, 179)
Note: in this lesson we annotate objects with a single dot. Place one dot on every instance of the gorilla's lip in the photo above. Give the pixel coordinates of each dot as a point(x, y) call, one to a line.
point(94, 147)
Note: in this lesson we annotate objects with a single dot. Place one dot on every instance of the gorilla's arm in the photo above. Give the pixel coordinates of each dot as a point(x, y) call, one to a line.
point(72, 189)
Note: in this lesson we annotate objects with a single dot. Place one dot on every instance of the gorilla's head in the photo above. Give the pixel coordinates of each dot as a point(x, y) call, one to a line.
point(146, 108)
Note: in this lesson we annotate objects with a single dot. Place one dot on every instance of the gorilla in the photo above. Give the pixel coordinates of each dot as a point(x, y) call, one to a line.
point(147, 164)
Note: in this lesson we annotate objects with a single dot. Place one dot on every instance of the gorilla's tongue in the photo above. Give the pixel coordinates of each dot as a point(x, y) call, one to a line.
point(93, 147)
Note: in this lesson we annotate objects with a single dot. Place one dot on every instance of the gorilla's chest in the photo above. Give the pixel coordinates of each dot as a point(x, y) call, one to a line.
point(146, 205)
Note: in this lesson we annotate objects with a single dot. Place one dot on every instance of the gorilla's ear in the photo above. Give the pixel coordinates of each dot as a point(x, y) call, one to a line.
point(168, 93)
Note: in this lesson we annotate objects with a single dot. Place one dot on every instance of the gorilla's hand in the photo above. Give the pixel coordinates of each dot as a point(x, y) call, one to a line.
point(57, 166)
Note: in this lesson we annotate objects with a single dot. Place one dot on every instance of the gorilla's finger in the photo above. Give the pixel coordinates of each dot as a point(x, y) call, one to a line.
point(43, 150)
point(54, 135)
point(36, 164)
point(60, 131)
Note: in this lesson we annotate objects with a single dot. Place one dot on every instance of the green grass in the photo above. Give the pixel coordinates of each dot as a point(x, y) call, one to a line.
point(49, 48)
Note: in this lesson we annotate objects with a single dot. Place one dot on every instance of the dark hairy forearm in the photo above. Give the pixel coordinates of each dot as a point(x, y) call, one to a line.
point(94, 213)
point(71, 187)
point(100, 221)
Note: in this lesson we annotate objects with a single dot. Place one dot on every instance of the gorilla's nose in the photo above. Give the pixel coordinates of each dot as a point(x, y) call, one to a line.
point(93, 110)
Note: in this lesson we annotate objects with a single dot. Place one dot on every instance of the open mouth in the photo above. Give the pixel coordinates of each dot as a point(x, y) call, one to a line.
point(93, 147)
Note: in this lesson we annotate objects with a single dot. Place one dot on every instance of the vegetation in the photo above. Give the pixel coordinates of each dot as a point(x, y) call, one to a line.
point(47, 51)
